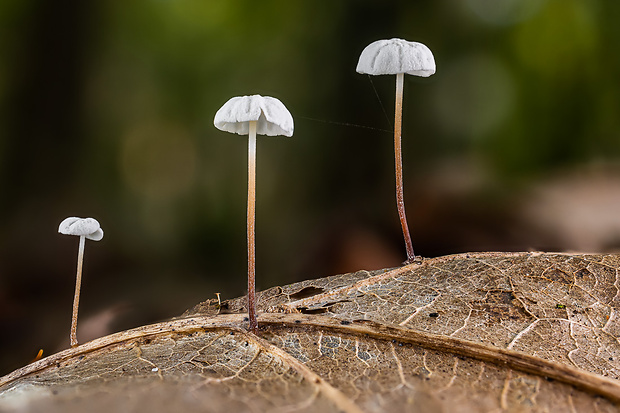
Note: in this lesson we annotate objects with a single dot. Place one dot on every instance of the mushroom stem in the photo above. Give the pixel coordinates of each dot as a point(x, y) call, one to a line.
point(400, 202)
point(251, 229)
point(76, 297)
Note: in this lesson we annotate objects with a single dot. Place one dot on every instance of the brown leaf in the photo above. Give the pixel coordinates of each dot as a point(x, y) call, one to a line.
point(474, 332)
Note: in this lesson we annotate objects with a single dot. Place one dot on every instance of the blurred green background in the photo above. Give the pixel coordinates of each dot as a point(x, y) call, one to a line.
point(106, 110)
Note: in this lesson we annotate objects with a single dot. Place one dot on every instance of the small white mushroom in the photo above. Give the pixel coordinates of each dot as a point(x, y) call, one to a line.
point(397, 57)
point(85, 228)
point(252, 115)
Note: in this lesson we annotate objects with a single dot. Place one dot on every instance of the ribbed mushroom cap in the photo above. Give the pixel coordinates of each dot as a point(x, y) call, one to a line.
point(389, 57)
point(87, 227)
point(272, 117)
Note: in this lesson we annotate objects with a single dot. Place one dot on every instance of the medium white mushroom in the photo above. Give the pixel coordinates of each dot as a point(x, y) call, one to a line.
point(85, 228)
point(252, 115)
point(397, 57)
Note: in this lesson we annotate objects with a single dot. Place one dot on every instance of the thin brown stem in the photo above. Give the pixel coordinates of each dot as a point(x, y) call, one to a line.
point(76, 297)
point(251, 229)
point(400, 202)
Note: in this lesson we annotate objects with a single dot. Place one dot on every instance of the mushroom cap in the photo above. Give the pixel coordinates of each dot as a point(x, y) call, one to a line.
point(271, 115)
point(86, 227)
point(390, 57)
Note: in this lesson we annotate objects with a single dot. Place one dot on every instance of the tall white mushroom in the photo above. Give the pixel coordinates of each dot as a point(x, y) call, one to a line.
point(252, 115)
point(85, 228)
point(397, 57)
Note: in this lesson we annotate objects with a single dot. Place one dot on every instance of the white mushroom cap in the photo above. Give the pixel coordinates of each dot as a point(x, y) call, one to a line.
point(87, 227)
point(271, 115)
point(389, 57)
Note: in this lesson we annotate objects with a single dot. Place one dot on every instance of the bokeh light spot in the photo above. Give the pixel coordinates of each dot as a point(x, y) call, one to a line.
point(158, 161)
point(505, 12)
point(560, 42)
point(475, 95)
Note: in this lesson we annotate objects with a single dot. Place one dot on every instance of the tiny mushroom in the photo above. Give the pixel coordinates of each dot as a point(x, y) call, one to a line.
point(252, 115)
point(85, 228)
point(397, 57)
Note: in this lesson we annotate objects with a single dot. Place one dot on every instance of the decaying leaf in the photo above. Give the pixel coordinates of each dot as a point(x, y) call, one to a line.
point(475, 332)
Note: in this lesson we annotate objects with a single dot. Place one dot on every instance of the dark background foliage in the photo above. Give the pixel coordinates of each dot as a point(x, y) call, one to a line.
point(106, 110)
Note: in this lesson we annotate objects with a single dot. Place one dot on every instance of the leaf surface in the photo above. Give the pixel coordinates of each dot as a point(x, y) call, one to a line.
point(472, 332)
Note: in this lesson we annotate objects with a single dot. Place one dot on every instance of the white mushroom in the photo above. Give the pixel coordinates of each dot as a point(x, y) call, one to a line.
point(85, 228)
point(252, 115)
point(397, 57)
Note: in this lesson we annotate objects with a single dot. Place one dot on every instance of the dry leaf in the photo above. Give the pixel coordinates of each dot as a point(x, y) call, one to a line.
point(477, 332)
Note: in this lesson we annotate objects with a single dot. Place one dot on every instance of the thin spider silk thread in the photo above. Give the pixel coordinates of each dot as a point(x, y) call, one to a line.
point(380, 103)
point(354, 125)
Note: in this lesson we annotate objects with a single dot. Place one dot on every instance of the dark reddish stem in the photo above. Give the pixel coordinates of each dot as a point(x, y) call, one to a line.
point(400, 202)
